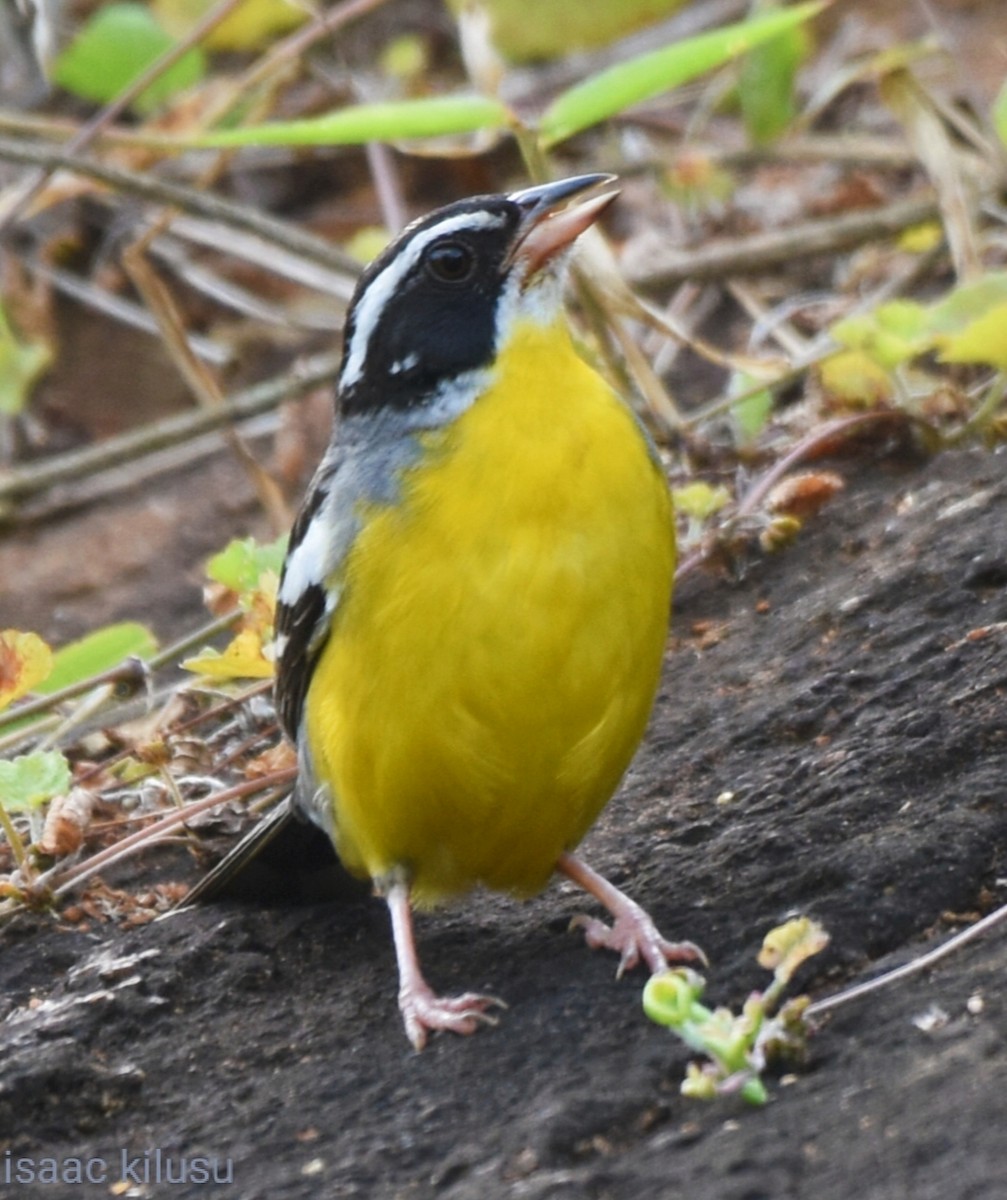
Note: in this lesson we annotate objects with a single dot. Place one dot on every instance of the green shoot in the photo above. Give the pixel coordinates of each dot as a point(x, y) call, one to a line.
point(738, 1047)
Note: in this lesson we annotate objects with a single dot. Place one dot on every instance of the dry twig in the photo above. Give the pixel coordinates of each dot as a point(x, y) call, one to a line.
point(17, 483)
point(775, 247)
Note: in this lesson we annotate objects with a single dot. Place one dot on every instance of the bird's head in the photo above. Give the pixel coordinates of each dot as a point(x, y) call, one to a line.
point(438, 303)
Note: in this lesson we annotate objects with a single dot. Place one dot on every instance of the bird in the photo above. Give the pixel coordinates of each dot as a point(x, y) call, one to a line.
point(473, 609)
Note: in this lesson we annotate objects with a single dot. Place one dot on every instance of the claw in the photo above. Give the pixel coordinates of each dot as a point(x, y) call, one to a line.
point(633, 934)
point(423, 1012)
point(634, 937)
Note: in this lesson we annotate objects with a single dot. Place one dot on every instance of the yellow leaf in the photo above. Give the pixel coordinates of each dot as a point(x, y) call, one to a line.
point(252, 25)
point(405, 58)
point(526, 30)
point(25, 660)
point(918, 239)
point(244, 658)
point(367, 243)
point(788, 945)
point(700, 500)
point(981, 341)
point(855, 378)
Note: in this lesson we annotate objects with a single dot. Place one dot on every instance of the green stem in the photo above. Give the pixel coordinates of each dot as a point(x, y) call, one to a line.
point(124, 673)
point(536, 160)
point(17, 846)
point(994, 398)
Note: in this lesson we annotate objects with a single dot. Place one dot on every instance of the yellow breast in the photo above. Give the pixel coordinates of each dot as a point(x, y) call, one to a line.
point(495, 655)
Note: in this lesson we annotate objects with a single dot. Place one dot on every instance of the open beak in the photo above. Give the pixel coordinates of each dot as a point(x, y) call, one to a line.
point(547, 227)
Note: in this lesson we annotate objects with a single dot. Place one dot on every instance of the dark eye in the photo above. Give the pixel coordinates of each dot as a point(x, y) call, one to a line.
point(450, 262)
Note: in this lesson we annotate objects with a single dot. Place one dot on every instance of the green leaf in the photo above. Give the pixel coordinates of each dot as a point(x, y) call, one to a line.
point(981, 341)
point(891, 334)
point(357, 123)
point(618, 88)
point(242, 562)
point(966, 325)
point(751, 414)
point(32, 779)
point(118, 43)
point(959, 308)
point(97, 652)
point(766, 82)
point(406, 57)
point(367, 243)
point(21, 364)
point(752, 410)
point(999, 114)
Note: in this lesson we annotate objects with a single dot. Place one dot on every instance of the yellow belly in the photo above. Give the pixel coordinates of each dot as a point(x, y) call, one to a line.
point(495, 655)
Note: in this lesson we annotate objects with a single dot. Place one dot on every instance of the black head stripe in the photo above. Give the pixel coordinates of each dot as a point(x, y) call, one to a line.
point(411, 326)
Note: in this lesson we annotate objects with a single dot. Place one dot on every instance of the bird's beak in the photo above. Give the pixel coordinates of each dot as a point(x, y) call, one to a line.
point(547, 228)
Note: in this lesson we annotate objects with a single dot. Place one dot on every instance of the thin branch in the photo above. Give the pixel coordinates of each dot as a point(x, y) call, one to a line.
point(836, 149)
point(177, 819)
point(43, 704)
point(268, 255)
point(119, 308)
point(132, 672)
point(774, 247)
point(30, 187)
point(295, 46)
point(140, 472)
point(96, 770)
point(995, 392)
point(189, 199)
point(387, 185)
point(199, 378)
point(172, 253)
point(19, 482)
point(955, 942)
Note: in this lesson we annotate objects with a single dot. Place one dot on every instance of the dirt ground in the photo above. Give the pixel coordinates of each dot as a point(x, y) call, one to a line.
point(830, 739)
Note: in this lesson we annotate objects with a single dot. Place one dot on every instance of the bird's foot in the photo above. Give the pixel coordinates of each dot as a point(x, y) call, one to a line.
point(634, 936)
point(423, 1012)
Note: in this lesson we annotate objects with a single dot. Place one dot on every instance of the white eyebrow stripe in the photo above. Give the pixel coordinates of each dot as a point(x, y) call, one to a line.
point(383, 286)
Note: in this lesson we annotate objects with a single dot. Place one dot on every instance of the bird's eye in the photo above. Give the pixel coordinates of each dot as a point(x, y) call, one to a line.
point(450, 262)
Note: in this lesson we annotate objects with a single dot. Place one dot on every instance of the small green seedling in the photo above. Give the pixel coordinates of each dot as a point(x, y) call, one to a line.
point(27, 783)
point(738, 1047)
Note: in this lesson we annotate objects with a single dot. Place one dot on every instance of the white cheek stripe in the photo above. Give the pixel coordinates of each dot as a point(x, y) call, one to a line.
point(382, 287)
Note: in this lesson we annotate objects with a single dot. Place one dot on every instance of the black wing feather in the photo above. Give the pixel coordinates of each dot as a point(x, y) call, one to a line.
point(301, 625)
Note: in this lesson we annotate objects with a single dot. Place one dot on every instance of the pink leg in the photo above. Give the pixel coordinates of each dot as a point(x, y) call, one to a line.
point(421, 1009)
point(633, 935)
